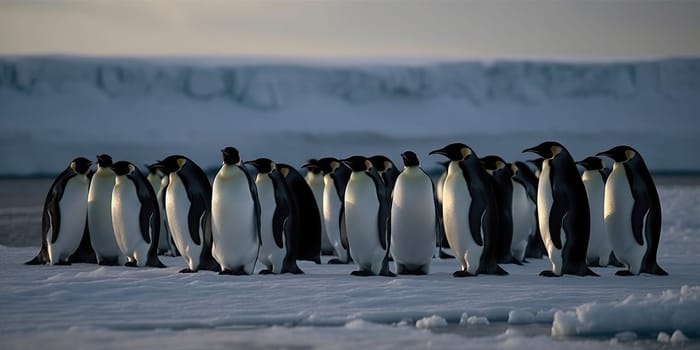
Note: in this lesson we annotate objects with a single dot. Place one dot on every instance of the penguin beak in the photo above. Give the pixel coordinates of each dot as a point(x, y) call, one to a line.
point(440, 151)
point(605, 154)
point(532, 150)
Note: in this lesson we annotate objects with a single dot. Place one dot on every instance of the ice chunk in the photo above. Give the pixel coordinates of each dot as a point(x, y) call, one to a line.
point(521, 317)
point(433, 321)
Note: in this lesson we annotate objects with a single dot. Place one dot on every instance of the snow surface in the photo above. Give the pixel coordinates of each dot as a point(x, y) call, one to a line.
point(145, 109)
point(88, 306)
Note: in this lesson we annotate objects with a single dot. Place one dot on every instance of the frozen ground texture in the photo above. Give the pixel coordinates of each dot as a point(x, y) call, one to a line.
point(144, 109)
point(87, 306)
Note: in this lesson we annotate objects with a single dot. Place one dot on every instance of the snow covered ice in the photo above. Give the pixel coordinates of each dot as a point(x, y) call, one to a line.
point(143, 110)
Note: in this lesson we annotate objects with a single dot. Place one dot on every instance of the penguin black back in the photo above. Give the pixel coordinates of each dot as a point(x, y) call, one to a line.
point(308, 214)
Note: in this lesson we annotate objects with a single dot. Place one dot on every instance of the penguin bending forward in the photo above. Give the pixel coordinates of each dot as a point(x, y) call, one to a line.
point(188, 210)
point(366, 210)
point(135, 216)
point(64, 217)
point(470, 212)
point(563, 212)
point(632, 212)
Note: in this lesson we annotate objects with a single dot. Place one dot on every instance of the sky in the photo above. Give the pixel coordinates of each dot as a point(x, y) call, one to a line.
point(559, 29)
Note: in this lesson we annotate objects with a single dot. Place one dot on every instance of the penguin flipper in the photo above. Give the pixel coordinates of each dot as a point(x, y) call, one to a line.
point(194, 220)
point(145, 222)
point(477, 212)
point(343, 231)
point(556, 218)
point(279, 221)
point(640, 212)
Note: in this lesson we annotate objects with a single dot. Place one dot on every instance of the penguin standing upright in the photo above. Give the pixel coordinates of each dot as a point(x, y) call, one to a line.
point(160, 182)
point(632, 212)
point(599, 248)
point(366, 210)
point(335, 180)
point(279, 220)
point(563, 212)
point(314, 178)
point(64, 215)
point(442, 239)
point(524, 213)
point(470, 212)
point(501, 174)
point(235, 217)
point(535, 245)
point(413, 219)
point(135, 216)
point(188, 209)
point(99, 216)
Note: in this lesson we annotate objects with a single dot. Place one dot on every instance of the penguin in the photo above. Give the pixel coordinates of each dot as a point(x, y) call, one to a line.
point(279, 224)
point(235, 217)
point(335, 179)
point(524, 214)
point(470, 212)
point(158, 182)
point(309, 216)
point(99, 213)
point(562, 210)
point(442, 239)
point(535, 246)
point(413, 218)
point(599, 249)
point(366, 213)
point(387, 171)
point(314, 178)
point(501, 175)
point(135, 216)
point(188, 210)
point(632, 212)
point(64, 216)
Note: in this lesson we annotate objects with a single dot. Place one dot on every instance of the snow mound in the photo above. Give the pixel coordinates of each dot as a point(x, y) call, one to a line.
point(521, 317)
point(476, 320)
point(433, 321)
point(649, 313)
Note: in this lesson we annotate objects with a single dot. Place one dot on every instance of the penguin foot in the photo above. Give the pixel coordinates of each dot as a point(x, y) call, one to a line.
point(187, 270)
point(588, 272)
point(336, 262)
point(266, 272)
point(387, 274)
point(548, 273)
point(624, 273)
point(131, 264)
point(362, 273)
point(108, 262)
point(236, 272)
point(63, 262)
point(462, 273)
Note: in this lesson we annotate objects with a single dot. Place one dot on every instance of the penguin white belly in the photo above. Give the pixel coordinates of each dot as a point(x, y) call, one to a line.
point(413, 220)
point(456, 202)
point(523, 221)
point(316, 184)
point(598, 243)
point(361, 210)
point(177, 206)
point(126, 210)
point(73, 210)
point(99, 217)
point(331, 217)
point(618, 212)
point(270, 254)
point(235, 241)
point(545, 200)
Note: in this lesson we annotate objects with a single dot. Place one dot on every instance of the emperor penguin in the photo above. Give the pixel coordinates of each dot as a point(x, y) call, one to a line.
point(99, 213)
point(159, 182)
point(308, 214)
point(64, 216)
point(470, 212)
point(335, 179)
point(314, 178)
point(535, 246)
point(501, 175)
point(387, 171)
point(524, 213)
point(442, 239)
point(279, 220)
point(632, 212)
point(135, 216)
point(188, 210)
point(563, 212)
point(413, 219)
point(366, 213)
point(599, 248)
point(235, 217)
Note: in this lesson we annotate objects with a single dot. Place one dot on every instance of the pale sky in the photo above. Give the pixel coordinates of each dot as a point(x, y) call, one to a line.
point(554, 29)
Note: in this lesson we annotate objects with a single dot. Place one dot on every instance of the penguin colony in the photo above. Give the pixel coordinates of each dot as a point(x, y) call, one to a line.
point(363, 210)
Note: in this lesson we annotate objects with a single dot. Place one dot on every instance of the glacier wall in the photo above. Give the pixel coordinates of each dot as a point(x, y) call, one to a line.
point(273, 86)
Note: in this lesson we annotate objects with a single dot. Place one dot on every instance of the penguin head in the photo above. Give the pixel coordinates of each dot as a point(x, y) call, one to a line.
point(358, 163)
point(313, 166)
point(591, 163)
point(81, 165)
point(329, 164)
point(104, 160)
point(122, 167)
point(455, 151)
point(410, 159)
point(493, 163)
point(263, 165)
point(173, 163)
point(231, 156)
point(547, 149)
point(381, 163)
point(619, 154)
point(154, 168)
